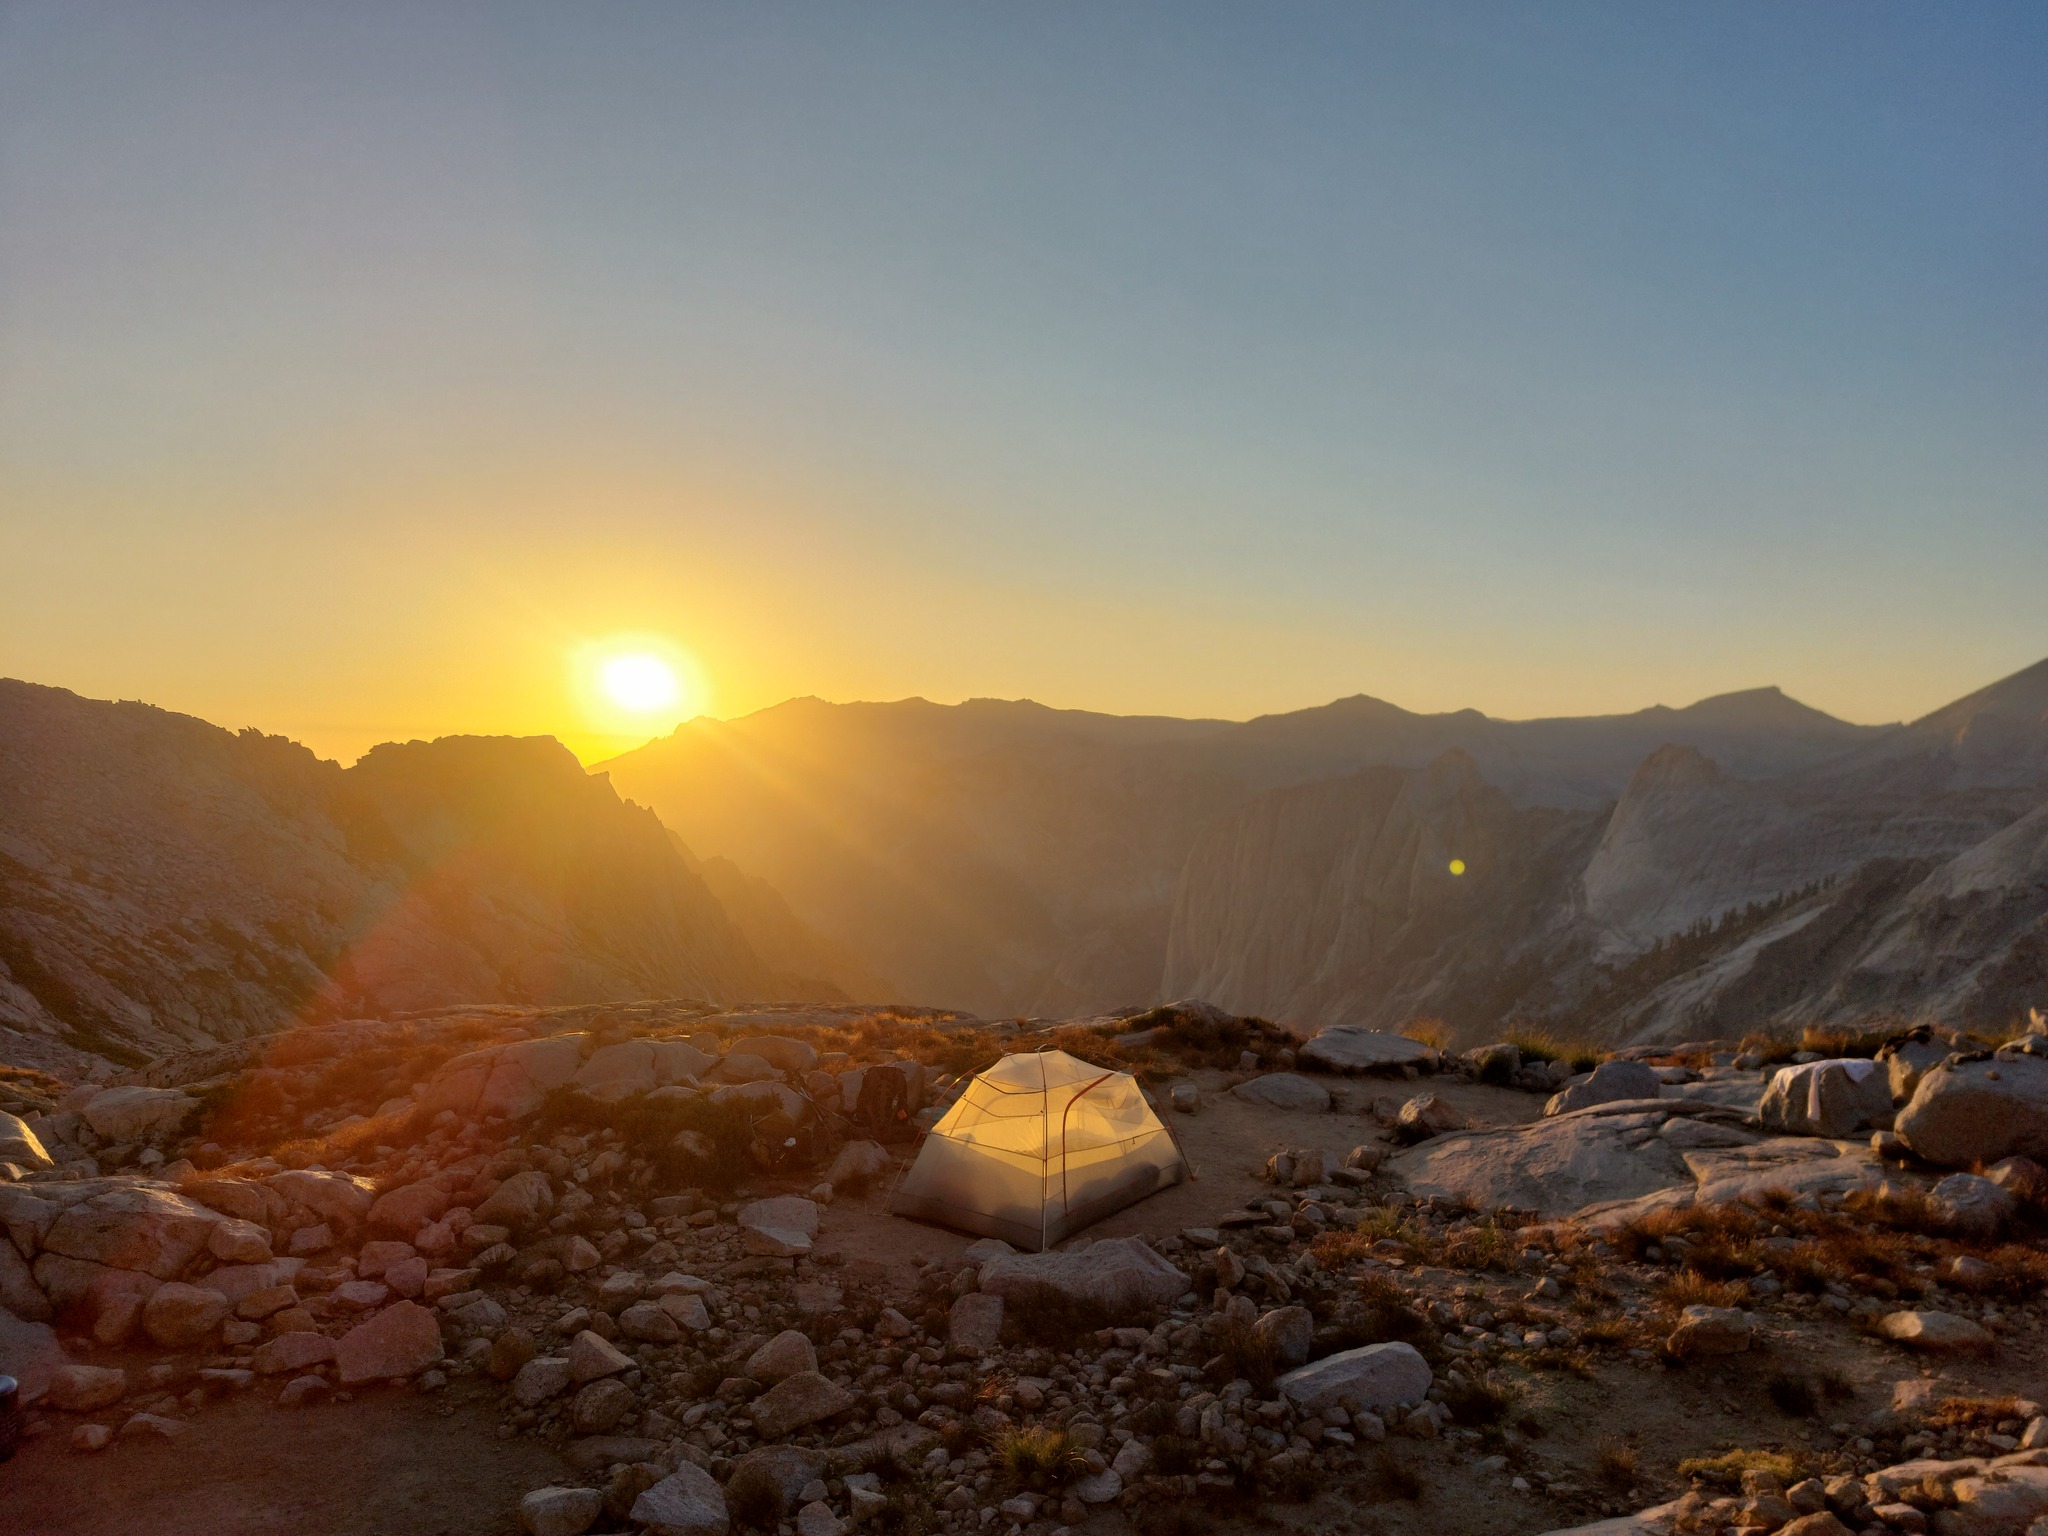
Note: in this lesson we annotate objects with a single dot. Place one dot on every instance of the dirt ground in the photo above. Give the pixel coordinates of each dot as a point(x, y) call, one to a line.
point(388, 1463)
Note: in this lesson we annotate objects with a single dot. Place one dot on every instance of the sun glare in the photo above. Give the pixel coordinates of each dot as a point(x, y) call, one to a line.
point(641, 683)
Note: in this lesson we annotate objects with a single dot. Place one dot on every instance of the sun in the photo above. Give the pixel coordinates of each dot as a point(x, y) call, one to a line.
point(640, 683)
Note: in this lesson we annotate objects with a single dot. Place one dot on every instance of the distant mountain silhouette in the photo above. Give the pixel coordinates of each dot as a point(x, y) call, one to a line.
point(1010, 858)
point(165, 883)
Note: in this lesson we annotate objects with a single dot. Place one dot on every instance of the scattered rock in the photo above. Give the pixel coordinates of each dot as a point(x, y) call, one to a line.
point(403, 1211)
point(600, 1406)
point(291, 1352)
point(542, 1378)
point(86, 1388)
point(685, 1503)
point(782, 1227)
point(1119, 1275)
point(178, 1316)
point(138, 1114)
point(91, 1437)
point(1834, 1098)
point(856, 1164)
point(796, 1401)
point(1185, 1098)
point(1977, 1112)
point(592, 1355)
point(1706, 1330)
point(1372, 1377)
point(20, 1145)
point(976, 1322)
point(1611, 1082)
point(301, 1391)
point(1354, 1048)
point(1936, 1332)
point(522, 1201)
point(783, 1356)
point(560, 1511)
point(649, 1323)
point(1290, 1331)
point(1425, 1116)
point(1970, 1206)
point(401, 1341)
point(1284, 1090)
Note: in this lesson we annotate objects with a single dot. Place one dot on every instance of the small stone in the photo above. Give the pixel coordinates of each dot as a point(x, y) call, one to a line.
point(687, 1503)
point(1290, 1331)
point(1819, 1523)
point(258, 1305)
point(687, 1309)
point(591, 1356)
point(975, 1323)
point(1100, 1488)
point(1935, 1331)
point(1186, 1098)
point(292, 1352)
point(817, 1519)
point(178, 1316)
point(510, 1351)
point(154, 1424)
point(560, 1511)
point(783, 1356)
point(600, 1405)
point(540, 1379)
point(402, 1340)
point(303, 1390)
point(1710, 1331)
point(650, 1323)
point(579, 1256)
point(91, 1437)
point(238, 1242)
point(798, 1400)
point(85, 1388)
point(305, 1240)
point(360, 1295)
point(1971, 1206)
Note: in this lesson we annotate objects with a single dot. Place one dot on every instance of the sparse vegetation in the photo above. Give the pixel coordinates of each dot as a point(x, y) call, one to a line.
point(1617, 1462)
point(1037, 1458)
point(1726, 1469)
point(1541, 1045)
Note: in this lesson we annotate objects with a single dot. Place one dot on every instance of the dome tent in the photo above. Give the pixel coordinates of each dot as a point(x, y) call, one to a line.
point(1038, 1147)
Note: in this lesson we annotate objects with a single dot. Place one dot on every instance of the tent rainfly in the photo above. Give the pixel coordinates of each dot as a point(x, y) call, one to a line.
point(1038, 1147)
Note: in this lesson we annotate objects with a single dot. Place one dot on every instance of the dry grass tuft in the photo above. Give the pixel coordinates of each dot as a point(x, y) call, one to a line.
point(1727, 1468)
point(1037, 1458)
point(1689, 1289)
point(1973, 1412)
point(1244, 1354)
point(1617, 1463)
point(1542, 1045)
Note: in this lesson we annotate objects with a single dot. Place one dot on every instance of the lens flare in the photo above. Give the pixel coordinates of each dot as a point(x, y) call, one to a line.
point(1457, 866)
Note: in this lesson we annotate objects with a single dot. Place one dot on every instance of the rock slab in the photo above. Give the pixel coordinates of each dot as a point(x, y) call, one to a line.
point(1373, 1377)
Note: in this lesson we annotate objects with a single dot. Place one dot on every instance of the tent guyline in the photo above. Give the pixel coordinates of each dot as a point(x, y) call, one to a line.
point(1038, 1147)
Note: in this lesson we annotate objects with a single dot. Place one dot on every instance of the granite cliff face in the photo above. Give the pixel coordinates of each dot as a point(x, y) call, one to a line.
point(1904, 877)
point(1341, 902)
point(165, 883)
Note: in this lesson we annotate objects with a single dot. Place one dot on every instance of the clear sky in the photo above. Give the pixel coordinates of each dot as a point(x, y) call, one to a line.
point(368, 370)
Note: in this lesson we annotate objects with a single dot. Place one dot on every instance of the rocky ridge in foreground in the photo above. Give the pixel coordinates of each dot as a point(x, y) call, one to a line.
point(592, 1222)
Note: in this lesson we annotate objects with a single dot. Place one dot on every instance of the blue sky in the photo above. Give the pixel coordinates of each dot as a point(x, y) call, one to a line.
point(358, 364)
